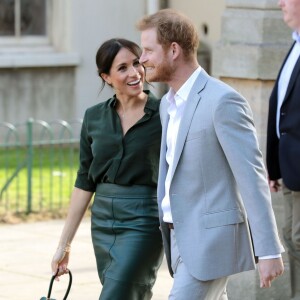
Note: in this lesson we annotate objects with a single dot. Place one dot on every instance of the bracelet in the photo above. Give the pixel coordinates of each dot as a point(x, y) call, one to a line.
point(66, 249)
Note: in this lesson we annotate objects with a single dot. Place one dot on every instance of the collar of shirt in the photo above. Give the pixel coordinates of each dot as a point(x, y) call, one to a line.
point(151, 106)
point(182, 94)
point(296, 36)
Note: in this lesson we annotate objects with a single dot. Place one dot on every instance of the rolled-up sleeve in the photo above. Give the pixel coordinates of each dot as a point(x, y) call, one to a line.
point(83, 180)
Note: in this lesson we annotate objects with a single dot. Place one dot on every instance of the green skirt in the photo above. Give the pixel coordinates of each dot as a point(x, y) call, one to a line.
point(127, 240)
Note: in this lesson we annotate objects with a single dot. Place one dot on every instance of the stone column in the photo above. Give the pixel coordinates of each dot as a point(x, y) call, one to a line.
point(254, 41)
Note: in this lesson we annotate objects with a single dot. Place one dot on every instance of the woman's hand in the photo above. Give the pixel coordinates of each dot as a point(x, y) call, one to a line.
point(60, 262)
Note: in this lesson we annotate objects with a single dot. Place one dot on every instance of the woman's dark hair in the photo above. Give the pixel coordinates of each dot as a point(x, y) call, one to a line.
point(108, 51)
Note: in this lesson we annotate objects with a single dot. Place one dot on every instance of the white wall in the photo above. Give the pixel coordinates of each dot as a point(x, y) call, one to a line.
point(203, 12)
point(93, 22)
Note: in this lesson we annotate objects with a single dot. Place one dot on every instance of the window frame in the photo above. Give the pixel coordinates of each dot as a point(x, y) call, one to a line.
point(51, 50)
point(17, 40)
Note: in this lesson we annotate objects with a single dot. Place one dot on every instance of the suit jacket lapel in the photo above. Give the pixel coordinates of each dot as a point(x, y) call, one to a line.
point(281, 68)
point(190, 107)
point(294, 75)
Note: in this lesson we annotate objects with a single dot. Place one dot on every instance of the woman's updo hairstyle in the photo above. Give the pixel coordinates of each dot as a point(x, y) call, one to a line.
point(108, 51)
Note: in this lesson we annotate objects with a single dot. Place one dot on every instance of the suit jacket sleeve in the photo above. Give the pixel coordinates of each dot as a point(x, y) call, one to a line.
point(237, 135)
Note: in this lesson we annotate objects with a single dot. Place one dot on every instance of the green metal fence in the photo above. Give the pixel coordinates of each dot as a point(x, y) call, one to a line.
point(38, 164)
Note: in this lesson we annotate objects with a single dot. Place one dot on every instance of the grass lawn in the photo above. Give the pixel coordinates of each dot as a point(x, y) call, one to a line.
point(53, 174)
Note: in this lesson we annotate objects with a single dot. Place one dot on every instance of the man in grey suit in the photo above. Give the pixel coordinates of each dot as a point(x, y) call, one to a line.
point(212, 183)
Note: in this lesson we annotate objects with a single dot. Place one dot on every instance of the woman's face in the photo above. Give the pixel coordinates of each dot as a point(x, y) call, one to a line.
point(126, 74)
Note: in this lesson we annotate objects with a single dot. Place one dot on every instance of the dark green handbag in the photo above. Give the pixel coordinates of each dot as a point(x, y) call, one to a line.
point(51, 284)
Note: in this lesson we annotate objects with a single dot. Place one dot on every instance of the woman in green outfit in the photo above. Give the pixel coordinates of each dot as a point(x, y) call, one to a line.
point(119, 155)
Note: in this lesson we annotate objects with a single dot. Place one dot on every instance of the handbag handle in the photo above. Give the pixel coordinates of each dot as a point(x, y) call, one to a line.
point(69, 285)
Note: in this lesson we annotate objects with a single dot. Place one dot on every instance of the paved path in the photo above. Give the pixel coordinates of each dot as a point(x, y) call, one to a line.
point(25, 255)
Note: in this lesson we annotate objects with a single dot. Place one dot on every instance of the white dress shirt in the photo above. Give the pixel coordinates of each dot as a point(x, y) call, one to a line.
point(177, 102)
point(285, 76)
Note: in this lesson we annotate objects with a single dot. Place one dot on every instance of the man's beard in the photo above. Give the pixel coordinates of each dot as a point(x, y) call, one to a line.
point(161, 73)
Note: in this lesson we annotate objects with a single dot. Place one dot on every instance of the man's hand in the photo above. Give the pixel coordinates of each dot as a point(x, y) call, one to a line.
point(269, 269)
point(274, 185)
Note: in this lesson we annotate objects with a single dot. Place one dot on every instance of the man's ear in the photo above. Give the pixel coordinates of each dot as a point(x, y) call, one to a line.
point(176, 50)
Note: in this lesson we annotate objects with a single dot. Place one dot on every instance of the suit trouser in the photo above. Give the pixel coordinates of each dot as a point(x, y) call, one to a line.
point(291, 235)
point(186, 286)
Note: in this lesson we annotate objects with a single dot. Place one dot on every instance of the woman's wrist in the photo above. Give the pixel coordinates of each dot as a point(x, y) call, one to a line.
point(66, 248)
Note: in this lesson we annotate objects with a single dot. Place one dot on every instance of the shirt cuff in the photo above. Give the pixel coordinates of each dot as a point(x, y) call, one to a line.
point(270, 256)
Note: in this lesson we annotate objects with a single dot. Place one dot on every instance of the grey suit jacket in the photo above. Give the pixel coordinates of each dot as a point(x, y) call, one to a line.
point(218, 185)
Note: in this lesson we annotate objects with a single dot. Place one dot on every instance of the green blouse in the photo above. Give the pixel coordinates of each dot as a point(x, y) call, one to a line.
point(106, 156)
